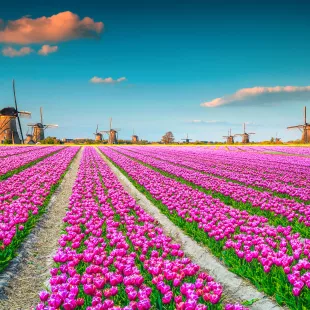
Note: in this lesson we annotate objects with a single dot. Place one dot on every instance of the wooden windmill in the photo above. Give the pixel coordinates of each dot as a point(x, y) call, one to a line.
point(134, 138)
point(186, 139)
point(38, 128)
point(245, 135)
point(112, 134)
point(304, 128)
point(229, 138)
point(10, 121)
point(98, 135)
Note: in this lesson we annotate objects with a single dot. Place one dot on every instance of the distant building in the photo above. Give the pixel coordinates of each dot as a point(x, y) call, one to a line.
point(65, 140)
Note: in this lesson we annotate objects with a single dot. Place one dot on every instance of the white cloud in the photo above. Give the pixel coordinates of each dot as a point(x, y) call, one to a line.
point(11, 52)
point(47, 49)
point(108, 80)
point(262, 95)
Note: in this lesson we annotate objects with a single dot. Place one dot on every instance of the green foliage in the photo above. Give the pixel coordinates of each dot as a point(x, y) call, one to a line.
point(6, 141)
point(50, 140)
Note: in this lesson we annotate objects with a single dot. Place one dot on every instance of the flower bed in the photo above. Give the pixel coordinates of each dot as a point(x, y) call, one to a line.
point(23, 198)
point(14, 150)
point(114, 256)
point(279, 211)
point(290, 180)
point(272, 258)
point(13, 164)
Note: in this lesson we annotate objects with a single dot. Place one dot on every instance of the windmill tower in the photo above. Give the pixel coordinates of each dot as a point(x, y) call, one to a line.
point(305, 128)
point(98, 135)
point(10, 121)
point(38, 128)
point(134, 138)
point(112, 134)
point(186, 139)
point(245, 135)
point(229, 138)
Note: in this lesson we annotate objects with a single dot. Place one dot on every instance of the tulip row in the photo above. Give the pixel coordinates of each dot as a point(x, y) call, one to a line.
point(14, 150)
point(15, 163)
point(263, 174)
point(279, 211)
point(23, 198)
point(281, 149)
point(272, 258)
point(114, 256)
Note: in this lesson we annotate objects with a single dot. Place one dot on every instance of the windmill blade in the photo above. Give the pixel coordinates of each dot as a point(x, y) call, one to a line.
point(297, 126)
point(251, 133)
point(31, 125)
point(24, 114)
point(51, 125)
point(97, 128)
point(19, 124)
point(41, 115)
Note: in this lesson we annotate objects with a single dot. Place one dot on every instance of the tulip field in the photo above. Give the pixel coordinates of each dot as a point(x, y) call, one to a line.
point(24, 196)
point(249, 207)
point(11, 162)
point(257, 231)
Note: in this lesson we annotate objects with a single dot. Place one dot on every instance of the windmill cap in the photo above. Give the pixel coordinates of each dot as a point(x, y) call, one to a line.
point(39, 125)
point(10, 111)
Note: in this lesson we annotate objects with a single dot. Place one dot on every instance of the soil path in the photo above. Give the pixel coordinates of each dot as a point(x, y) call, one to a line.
point(235, 288)
point(28, 273)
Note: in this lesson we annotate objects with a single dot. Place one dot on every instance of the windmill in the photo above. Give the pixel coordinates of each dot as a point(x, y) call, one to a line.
point(277, 140)
point(305, 128)
point(38, 128)
point(245, 135)
point(98, 135)
point(229, 138)
point(10, 121)
point(187, 139)
point(112, 134)
point(134, 138)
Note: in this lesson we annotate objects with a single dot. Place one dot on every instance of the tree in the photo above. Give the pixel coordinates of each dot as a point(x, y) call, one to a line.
point(168, 138)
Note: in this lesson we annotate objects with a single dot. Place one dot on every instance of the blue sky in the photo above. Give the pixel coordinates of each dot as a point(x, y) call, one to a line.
point(175, 55)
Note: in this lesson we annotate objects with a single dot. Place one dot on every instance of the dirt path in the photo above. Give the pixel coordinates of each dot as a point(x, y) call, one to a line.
point(235, 288)
point(29, 271)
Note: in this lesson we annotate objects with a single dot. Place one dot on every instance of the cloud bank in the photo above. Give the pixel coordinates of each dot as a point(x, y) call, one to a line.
point(12, 52)
point(47, 49)
point(64, 26)
point(109, 80)
point(262, 95)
